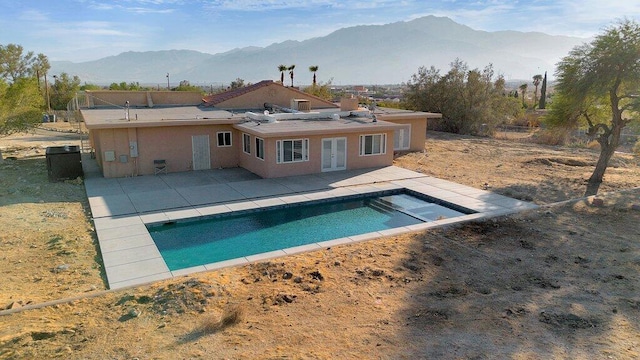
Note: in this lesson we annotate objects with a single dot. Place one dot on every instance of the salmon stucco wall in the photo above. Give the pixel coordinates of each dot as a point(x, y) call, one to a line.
point(418, 129)
point(172, 144)
point(95, 98)
point(268, 168)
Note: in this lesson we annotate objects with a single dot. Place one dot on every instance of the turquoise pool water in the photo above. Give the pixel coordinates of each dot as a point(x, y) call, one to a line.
point(192, 243)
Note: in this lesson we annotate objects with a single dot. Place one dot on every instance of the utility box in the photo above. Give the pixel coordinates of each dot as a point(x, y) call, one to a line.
point(63, 162)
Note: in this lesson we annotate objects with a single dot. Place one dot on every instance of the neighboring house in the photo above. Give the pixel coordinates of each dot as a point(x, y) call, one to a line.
point(266, 128)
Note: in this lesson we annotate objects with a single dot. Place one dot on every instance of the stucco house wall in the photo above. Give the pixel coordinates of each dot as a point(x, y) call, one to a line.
point(418, 124)
point(269, 168)
point(97, 98)
point(172, 144)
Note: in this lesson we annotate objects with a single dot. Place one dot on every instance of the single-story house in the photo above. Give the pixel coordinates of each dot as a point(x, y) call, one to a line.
point(267, 128)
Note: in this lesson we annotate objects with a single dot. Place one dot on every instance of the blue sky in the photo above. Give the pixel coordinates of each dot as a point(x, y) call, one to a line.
point(82, 30)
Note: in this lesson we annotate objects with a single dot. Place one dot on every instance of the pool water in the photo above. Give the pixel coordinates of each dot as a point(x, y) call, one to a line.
point(192, 243)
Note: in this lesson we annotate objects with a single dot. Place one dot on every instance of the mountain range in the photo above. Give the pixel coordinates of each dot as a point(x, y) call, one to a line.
point(359, 55)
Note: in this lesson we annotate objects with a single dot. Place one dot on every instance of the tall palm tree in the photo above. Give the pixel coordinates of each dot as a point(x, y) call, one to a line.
point(523, 91)
point(536, 81)
point(282, 69)
point(290, 68)
point(313, 69)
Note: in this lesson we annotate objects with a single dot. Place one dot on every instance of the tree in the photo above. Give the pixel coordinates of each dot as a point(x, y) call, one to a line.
point(237, 83)
point(543, 93)
point(470, 101)
point(41, 67)
point(15, 65)
point(186, 86)
point(282, 69)
point(536, 82)
point(602, 74)
point(21, 106)
point(290, 68)
point(90, 87)
point(320, 90)
point(313, 69)
point(523, 91)
point(63, 89)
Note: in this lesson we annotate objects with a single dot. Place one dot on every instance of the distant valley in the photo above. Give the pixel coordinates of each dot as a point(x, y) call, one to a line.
point(374, 54)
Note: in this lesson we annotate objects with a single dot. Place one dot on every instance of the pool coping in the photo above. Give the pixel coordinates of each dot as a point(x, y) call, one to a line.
point(131, 257)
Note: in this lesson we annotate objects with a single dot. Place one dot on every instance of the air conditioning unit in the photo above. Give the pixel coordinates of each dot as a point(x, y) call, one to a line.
point(301, 105)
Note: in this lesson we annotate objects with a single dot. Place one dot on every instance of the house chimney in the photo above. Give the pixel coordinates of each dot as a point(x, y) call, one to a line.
point(348, 103)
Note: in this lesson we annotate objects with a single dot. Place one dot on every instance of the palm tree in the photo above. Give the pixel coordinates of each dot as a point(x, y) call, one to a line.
point(536, 81)
point(282, 69)
point(290, 68)
point(523, 90)
point(313, 69)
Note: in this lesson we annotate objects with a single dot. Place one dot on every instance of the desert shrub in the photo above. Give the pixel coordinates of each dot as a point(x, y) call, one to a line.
point(550, 137)
point(636, 147)
point(229, 317)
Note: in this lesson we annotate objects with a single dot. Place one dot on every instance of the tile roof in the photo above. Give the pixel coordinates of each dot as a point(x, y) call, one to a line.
point(215, 99)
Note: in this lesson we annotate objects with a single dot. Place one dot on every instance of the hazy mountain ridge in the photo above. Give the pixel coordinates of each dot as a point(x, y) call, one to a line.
point(365, 54)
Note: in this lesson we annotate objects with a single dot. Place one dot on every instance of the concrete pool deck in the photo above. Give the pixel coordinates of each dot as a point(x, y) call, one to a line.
point(121, 209)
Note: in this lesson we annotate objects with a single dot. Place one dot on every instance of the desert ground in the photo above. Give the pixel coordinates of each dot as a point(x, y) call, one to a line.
point(561, 281)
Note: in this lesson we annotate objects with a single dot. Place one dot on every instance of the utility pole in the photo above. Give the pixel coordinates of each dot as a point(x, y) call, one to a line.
point(168, 88)
point(46, 90)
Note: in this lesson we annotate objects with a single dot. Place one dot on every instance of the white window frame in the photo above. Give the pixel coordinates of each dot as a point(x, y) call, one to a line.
point(382, 144)
point(246, 143)
point(224, 138)
point(402, 138)
point(260, 148)
point(303, 154)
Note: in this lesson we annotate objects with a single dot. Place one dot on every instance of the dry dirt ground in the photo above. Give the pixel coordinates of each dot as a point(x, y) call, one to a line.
point(561, 281)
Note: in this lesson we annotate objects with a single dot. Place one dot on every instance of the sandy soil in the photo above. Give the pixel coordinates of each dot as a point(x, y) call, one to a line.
point(558, 282)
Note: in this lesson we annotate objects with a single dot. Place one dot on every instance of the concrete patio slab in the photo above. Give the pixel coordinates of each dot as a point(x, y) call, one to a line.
point(111, 205)
point(157, 200)
point(259, 188)
point(209, 194)
point(304, 183)
point(126, 243)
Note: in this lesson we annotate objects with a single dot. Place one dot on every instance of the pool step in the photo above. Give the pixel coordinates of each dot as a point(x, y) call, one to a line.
point(381, 206)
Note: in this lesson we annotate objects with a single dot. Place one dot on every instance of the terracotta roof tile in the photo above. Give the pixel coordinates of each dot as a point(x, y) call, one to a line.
point(215, 99)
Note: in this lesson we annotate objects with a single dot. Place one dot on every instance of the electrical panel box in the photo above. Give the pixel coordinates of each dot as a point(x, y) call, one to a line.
point(109, 155)
point(133, 149)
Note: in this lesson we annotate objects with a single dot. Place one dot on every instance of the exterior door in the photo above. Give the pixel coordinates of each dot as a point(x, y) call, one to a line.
point(201, 152)
point(334, 154)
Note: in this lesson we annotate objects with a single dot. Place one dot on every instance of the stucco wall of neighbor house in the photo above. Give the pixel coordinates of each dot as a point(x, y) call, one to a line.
point(95, 98)
point(172, 144)
point(418, 124)
point(268, 168)
point(274, 94)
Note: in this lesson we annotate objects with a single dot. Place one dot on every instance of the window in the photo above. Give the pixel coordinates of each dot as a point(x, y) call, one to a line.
point(246, 143)
point(292, 150)
point(402, 138)
point(260, 148)
point(373, 144)
point(224, 138)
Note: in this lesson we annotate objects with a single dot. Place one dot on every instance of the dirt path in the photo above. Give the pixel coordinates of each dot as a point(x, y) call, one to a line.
point(558, 282)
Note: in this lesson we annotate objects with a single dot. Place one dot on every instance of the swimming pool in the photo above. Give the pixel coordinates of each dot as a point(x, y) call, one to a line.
point(224, 237)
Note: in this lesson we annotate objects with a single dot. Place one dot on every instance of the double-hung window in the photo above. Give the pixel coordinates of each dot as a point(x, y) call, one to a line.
point(224, 138)
point(260, 148)
point(374, 144)
point(288, 151)
point(246, 143)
